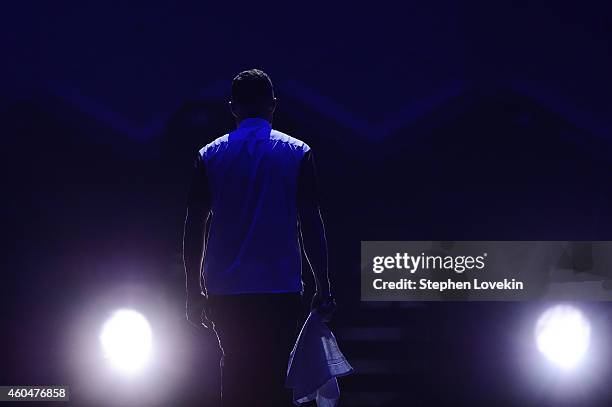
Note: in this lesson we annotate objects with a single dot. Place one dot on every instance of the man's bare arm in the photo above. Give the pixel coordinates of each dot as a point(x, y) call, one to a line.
point(315, 246)
point(193, 249)
point(198, 211)
point(312, 228)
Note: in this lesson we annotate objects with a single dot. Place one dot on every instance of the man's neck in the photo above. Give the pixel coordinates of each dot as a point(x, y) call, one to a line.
point(238, 121)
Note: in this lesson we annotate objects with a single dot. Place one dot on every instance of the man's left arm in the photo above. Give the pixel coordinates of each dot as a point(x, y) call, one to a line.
point(198, 210)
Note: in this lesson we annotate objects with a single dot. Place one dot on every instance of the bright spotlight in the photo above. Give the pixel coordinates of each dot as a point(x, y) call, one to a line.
point(126, 340)
point(562, 335)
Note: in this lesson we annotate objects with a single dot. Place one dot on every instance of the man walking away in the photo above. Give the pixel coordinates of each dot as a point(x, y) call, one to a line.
point(257, 190)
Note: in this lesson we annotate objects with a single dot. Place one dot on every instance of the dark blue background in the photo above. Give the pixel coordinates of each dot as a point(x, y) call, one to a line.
point(434, 120)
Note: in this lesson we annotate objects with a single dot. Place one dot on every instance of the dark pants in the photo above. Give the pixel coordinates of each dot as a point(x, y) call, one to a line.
point(257, 333)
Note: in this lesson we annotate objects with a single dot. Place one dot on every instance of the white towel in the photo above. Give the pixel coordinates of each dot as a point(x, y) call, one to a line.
point(314, 364)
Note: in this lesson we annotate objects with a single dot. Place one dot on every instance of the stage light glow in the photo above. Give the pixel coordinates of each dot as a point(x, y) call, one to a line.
point(127, 340)
point(563, 335)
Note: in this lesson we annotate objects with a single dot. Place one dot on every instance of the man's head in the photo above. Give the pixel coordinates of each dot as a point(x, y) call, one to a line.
point(252, 95)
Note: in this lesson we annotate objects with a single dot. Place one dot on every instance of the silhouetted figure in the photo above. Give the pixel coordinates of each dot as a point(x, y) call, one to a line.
point(256, 187)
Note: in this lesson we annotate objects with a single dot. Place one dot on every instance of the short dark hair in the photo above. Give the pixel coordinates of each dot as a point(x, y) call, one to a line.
point(252, 88)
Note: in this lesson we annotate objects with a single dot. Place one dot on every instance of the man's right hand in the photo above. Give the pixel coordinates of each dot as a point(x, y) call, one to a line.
point(198, 311)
